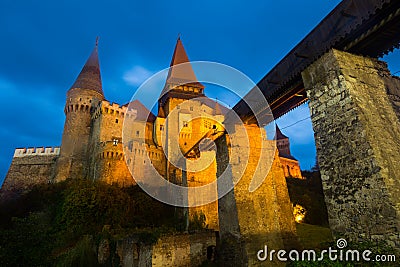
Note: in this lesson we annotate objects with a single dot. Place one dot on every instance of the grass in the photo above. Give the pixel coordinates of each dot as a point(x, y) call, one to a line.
point(313, 236)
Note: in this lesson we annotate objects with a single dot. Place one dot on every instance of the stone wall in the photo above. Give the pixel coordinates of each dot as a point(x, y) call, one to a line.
point(170, 250)
point(29, 167)
point(291, 168)
point(73, 161)
point(249, 220)
point(357, 136)
point(392, 85)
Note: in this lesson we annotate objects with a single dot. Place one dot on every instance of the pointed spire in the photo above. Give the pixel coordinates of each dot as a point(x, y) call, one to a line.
point(180, 74)
point(278, 134)
point(90, 78)
point(161, 112)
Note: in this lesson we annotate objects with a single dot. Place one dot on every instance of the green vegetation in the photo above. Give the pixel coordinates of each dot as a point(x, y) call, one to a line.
point(320, 238)
point(62, 224)
point(313, 236)
point(309, 194)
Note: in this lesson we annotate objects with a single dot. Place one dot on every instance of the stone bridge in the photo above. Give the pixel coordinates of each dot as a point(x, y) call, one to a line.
point(355, 110)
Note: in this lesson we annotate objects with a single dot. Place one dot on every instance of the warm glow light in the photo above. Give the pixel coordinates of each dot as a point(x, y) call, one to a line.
point(299, 213)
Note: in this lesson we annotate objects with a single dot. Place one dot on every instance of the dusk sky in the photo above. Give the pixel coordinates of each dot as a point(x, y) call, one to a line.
point(44, 45)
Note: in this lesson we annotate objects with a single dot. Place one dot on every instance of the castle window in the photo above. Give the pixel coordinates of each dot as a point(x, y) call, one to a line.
point(161, 127)
point(191, 108)
point(115, 142)
point(185, 124)
point(116, 120)
point(137, 133)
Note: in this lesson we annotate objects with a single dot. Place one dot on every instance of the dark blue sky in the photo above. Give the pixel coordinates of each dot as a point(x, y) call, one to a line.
point(44, 45)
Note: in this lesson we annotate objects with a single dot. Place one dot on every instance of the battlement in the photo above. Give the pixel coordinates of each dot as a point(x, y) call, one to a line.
point(36, 151)
point(106, 107)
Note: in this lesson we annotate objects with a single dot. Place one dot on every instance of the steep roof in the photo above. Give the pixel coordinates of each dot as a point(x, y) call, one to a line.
point(181, 74)
point(90, 78)
point(217, 107)
point(278, 134)
point(143, 114)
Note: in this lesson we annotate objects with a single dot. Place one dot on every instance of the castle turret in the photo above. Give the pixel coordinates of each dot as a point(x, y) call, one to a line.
point(83, 96)
point(290, 164)
point(181, 83)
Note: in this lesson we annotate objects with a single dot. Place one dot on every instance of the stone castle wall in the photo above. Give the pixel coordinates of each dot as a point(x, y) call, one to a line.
point(169, 250)
point(249, 220)
point(73, 161)
point(357, 135)
point(30, 166)
point(107, 160)
point(290, 167)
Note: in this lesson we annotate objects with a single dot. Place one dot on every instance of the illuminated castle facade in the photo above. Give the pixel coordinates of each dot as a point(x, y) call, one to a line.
point(93, 145)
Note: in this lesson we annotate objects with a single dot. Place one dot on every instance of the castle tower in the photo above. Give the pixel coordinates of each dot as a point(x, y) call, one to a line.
point(282, 141)
point(185, 118)
point(290, 164)
point(181, 83)
point(82, 97)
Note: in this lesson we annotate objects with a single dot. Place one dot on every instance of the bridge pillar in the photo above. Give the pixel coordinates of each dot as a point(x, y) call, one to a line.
point(249, 221)
point(355, 117)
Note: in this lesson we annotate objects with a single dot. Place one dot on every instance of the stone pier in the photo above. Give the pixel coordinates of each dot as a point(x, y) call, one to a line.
point(353, 103)
point(248, 221)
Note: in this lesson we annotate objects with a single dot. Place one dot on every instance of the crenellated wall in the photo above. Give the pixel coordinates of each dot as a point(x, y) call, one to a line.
point(29, 166)
point(36, 151)
point(108, 160)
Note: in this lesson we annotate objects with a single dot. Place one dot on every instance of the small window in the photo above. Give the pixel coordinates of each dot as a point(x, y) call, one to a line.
point(115, 142)
point(137, 133)
point(191, 108)
point(185, 124)
point(116, 120)
point(161, 127)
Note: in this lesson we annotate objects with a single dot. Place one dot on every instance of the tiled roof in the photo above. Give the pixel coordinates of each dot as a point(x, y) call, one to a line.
point(89, 77)
point(143, 114)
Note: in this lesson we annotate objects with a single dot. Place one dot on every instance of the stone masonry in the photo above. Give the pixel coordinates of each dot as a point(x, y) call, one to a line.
point(250, 220)
point(29, 166)
point(357, 134)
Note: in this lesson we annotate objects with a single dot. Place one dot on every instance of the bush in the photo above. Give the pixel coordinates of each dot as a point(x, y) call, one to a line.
point(51, 223)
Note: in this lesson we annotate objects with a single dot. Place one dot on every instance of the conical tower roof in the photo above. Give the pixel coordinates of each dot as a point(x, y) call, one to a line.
point(278, 134)
point(180, 74)
point(90, 78)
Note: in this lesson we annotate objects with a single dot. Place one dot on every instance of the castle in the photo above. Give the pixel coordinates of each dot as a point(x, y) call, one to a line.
point(93, 145)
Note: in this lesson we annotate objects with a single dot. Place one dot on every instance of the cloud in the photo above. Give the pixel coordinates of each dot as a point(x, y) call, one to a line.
point(137, 75)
